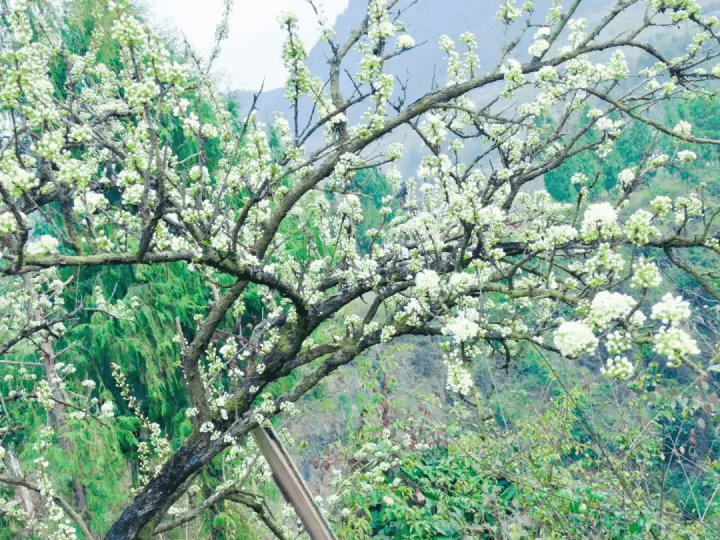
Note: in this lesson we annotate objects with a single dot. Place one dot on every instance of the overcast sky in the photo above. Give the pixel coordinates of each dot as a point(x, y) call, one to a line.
point(253, 49)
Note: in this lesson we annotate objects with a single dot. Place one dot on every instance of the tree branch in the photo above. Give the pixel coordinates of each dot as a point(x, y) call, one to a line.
point(72, 514)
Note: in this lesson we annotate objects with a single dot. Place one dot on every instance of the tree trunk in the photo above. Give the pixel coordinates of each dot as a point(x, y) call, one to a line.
point(138, 521)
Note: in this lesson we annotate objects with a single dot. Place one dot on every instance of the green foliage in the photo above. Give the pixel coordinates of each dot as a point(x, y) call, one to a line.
point(602, 173)
point(146, 345)
point(560, 468)
point(631, 147)
point(372, 186)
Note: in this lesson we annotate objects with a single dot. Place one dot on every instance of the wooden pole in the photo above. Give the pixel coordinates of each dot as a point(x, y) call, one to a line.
point(291, 484)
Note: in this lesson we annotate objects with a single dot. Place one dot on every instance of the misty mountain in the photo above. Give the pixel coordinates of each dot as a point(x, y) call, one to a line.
point(425, 66)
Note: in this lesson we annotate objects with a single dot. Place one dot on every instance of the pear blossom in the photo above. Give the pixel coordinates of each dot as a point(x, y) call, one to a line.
point(609, 306)
point(43, 245)
point(686, 155)
point(427, 282)
point(574, 338)
point(459, 379)
point(404, 41)
point(682, 129)
point(599, 220)
point(671, 309)
point(618, 367)
point(674, 343)
point(463, 327)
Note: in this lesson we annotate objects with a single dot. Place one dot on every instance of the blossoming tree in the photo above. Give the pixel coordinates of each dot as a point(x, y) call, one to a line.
point(91, 175)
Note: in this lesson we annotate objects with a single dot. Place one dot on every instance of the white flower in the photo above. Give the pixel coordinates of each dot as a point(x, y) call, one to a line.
point(638, 318)
point(645, 275)
point(228, 350)
point(404, 41)
point(462, 327)
point(658, 160)
point(382, 30)
point(514, 77)
point(339, 118)
point(605, 124)
point(626, 177)
point(459, 378)
point(686, 155)
point(618, 368)
point(316, 266)
point(661, 205)
point(687, 207)
point(674, 343)
point(387, 333)
point(682, 129)
point(547, 73)
point(671, 309)
point(107, 410)
point(638, 228)
point(608, 306)
point(427, 281)
point(286, 17)
point(538, 47)
point(434, 128)
point(575, 338)
point(618, 342)
point(133, 194)
point(461, 281)
point(90, 203)
point(8, 224)
point(600, 218)
point(445, 43)
point(394, 151)
point(43, 245)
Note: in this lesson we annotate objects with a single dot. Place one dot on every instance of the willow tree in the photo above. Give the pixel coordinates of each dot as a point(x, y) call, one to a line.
point(91, 177)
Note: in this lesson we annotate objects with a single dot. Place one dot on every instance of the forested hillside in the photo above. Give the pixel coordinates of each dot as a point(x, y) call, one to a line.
point(444, 348)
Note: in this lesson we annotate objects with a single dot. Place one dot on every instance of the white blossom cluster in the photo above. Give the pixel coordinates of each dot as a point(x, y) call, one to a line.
point(574, 338)
point(671, 310)
point(627, 177)
point(638, 228)
point(428, 282)
point(463, 327)
point(599, 221)
point(671, 340)
point(459, 378)
point(618, 342)
point(674, 343)
point(618, 367)
point(686, 208)
point(645, 275)
point(607, 307)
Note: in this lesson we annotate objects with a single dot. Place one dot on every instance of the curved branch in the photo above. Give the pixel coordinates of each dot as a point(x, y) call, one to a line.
point(27, 332)
point(704, 283)
point(248, 273)
point(62, 503)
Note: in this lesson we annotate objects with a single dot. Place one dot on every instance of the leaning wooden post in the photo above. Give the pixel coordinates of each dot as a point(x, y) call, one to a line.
point(291, 484)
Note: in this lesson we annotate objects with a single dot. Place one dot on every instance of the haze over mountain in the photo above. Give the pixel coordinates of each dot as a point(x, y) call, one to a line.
point(425, 66)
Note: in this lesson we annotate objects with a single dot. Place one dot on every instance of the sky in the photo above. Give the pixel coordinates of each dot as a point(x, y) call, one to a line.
point(252, 52)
